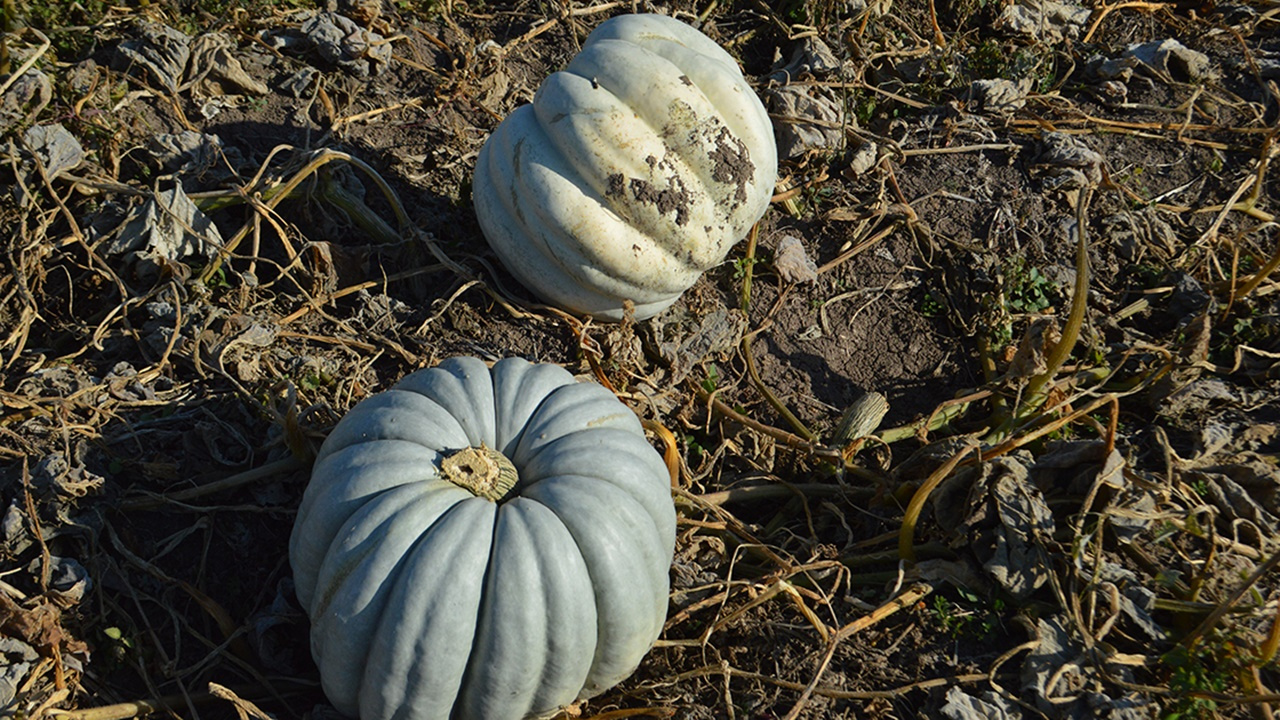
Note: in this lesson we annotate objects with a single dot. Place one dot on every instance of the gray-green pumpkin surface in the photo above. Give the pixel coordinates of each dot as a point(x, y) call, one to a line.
point(429, 601)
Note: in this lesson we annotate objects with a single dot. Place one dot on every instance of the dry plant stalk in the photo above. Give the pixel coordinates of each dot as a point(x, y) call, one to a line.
point(279, 193)
point(907, 598)
point(906, 535)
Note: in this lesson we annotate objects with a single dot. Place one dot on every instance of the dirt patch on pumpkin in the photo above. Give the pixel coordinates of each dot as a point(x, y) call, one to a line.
point(732, 163)
point(673, 199)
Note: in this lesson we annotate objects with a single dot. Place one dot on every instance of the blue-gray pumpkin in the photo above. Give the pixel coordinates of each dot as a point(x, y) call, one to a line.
point(482, 543)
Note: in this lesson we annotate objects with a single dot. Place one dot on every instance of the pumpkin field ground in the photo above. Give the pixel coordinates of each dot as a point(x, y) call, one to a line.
point(1042, 234)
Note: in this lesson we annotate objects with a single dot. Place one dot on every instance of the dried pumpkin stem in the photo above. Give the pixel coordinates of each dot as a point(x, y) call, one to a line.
point(748, 261)
point(1037, 393)
point(942, 416)
point(906, 533)
point(279, 193)
point(795, 422)
point(481, 471)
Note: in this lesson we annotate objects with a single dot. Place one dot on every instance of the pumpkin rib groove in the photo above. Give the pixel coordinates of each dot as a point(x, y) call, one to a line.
point(400, 508)
point(549, 173)
point(524, 248)
point(509, 665)
point(573, 409)
point(461, 386)
point(515, 227)
point(713, 70)
point(485, 599)
point(571, 663)
point(520, 389)
point(403, 674)
point(606, 47)
point(515, 249)
point(627, 69)
point(329, 499)
point(588, 263)
point(626, 463)
point(647, 29)
point(622, 507)
point(556, 105)
point(613, 545)
point(385, 416)
point(656, 207)
point(340, 665)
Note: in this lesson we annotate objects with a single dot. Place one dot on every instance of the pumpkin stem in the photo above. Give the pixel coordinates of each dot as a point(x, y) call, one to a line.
point(480, 470)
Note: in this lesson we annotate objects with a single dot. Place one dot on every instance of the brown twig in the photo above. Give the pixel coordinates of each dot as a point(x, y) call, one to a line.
point(909, 597)
point(1102, 12)
point(1225, 606)
point(789, 439)
point(271, 469)
point(906, 535)
point(164, 703)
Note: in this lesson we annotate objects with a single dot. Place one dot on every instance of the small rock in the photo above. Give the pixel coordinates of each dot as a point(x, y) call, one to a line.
point(864, 158)
point(1171, 59)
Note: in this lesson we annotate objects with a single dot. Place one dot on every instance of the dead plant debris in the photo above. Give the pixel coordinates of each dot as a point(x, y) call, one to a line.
point(992, 432)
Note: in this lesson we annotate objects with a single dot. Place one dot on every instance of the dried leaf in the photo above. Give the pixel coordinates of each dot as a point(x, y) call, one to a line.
point(216, 71)
point(1066, 163)
point(792, 262)
point(24, 100)
point(159, 50)
point(996, 512)
point(1047, 21)
point(164, 231)
point(686, 345)
point(339, 41)
point(806, 118)
point(39, 626)
point(57, 150)
point(187, 152)
point(1074, 467)
point(999, 95)
point(810, 56)
point(1032, 357)
point(16, 660)
point(961, 705)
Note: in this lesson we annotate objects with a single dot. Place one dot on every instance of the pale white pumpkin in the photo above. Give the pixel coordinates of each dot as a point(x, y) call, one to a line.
point(634, 170)
point(429, 602)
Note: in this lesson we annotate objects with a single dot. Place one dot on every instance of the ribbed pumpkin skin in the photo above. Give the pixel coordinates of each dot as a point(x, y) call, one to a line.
point(427, 602)
point(633, 171)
